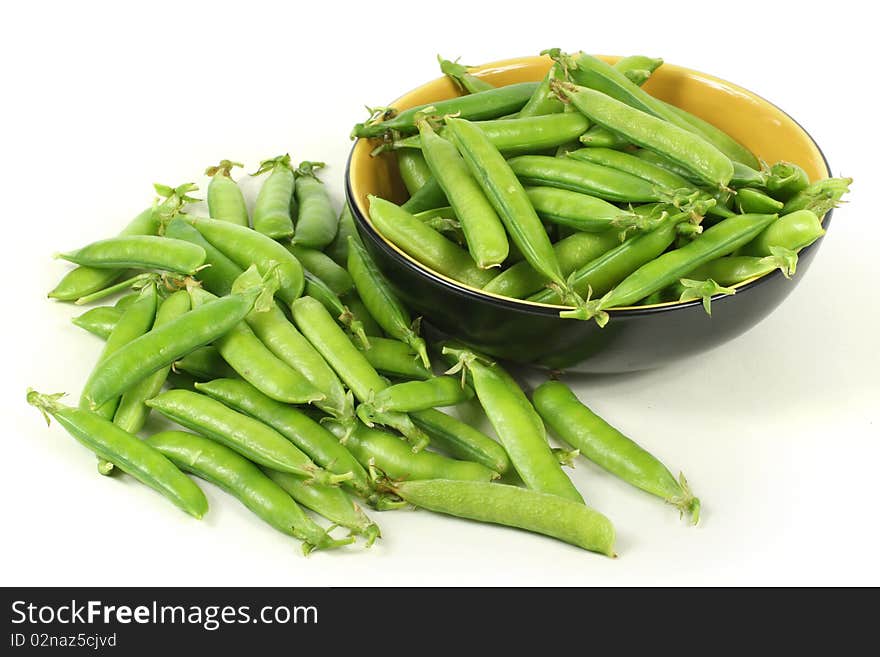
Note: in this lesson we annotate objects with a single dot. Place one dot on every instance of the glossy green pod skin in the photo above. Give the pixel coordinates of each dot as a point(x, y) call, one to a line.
point(460, 440)
point(395, 359)
point(141, 252)
point(792, 231)
point(414, 170)
point(99, 321)
point(753, 201)
point(204, 364)
point(272, 209)
point(543, 101)
point(218, 276)
point(316, 220)
point(337, 250)
point(466, 81)
point(429, 196)
point(225, 200)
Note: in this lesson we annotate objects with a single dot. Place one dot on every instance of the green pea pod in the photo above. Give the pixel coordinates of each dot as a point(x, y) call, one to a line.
point(414, 170)
point(600, 137)
point(420, 395)
point(337, 250)
point(225, 200)
point(584, 177)
point(512, 506)
point(573, 252)
point(792, 231)
point(746, 176)
point(243, 480)
point(316, 221)
point(255, 362)
point(204, 364)
point(220, 272)
point(319, 290)
point(315, 441)
point(425, 244)
point(381, 301)
point(132, 412)
point(484, 233)
point(125, 451)
point(819, 197)
point(517, 425)
point(142, 252)
point(505, 192)
point(321, 265)
point(460, 440)
point(99, 321)
point(462, 78)
point(394, 358)
point(429, 196)
point(721, 239)
point(163, 345)
point(329, 502)
point(391, 455)
point(543, 101)
point(489, 104)
point(247, 247)
point(638, 68)
point(632, 165)
point(685, 148)
point(580, 211)
point(724, 142)
point(272, 209)
point(786, 179)
point(731, 270)
point(754, 201)
point(605, 446)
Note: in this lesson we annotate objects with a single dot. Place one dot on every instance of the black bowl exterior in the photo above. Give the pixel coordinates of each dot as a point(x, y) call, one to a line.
point(634, 339)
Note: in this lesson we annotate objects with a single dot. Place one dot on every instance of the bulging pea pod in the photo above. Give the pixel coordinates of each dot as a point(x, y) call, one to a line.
point(225, 200)
point(317, 289)
point(792, 231)
point(819, 197)
point(140, 252)
point(543, 101)
point(84, 281)
point(519, 428)
point(99, 321)
point(583, 212)
point(489, 104)
point(328, 502)
point(608, 448)
point(383, 304)
point(463, 79)
point(394, 358)
point(316, 221)
point(257, 364)
point(272, 209)
point(409, 396)
point(460, 440)
point(124, 450)
point(243, 480)
point(750, 200)
point(414, 170)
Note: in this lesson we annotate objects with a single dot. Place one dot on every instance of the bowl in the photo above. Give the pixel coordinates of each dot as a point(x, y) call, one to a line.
point(635, 338)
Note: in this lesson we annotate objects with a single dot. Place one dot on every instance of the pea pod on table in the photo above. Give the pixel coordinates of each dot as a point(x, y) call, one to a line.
point(99, 321)
point(225, 200)
point(460, 440)
point(416, 396)
point(204, 364)
point(394, 358)
point(219, 271)
point(273, 214)
point(142, 252)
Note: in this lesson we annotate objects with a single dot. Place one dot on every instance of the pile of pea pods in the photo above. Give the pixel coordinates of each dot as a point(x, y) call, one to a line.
point(300, 381)
point(585, 191)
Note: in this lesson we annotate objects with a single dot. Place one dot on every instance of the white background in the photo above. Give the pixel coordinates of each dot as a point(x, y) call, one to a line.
point(777, 431)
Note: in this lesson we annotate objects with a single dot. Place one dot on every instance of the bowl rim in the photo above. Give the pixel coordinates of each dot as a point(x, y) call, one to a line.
point(544, 309)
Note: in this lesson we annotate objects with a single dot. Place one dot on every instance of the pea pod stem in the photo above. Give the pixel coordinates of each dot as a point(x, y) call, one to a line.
point(462, 77)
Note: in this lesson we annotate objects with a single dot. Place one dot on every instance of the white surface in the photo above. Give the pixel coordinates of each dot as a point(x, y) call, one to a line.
point(777, 431)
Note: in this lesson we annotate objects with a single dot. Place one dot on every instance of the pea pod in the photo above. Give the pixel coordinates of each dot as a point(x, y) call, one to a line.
point(414, 170)
point(608, 448)
point(685, 148)
point(350, 364)
point(321, 265)
point(425, 244)
point(465, 81)
point(632, 165)
point(750, 200)
point(731, 270)
point(819, 197)
point(243, 480)
point(512, 506)
point(573, 252)
point(125, 451)
point(337, 250)
point(140, 251)
point(99, 321)
point(220, 271)
point(381, 301)
point(601, 137)
point(785, 179)
point(204, 364)
point(320, 291)
point(429, 196)
point(517, 425)
point(484, 233)
point(316, 221)
point(488, 104)
point(395, 459)
point(272, 209)
point(792, 231)
point(746, 176)
point(225, 200)
point(394, 358)
point(584, 177)
point(638, 68)
point(543, 101)
point(580, 211)
point(419, 395)
point(298, 428)
point(721, 239)
point(460, 440)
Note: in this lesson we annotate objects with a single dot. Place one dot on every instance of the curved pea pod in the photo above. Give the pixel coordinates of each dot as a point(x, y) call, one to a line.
point(500, 504)
point(685, 148)
point(395, 359)
point(219, 273)
point(721, 239)
point(819, 197)
point(225, 200)
point(750, 200)
point(272, 209)
point(163, 345)
point(517, 425)
point(140, 251)
point(328, 502)
point(429, 196)
point(460, 440)
point(489, 104)
point(99, 321)
point(337, 250)
point(301, 430)
point(425, 244)
point(414, 170)
point(600, 137)
point(383, 304)
point(792, 231)
point(391, 455)
point(543, 101)
point(785, 179)
point(255, 362)
point(125, 451)
point(247, 247)
point(584, 177)
point(483, 231)
point(632, 165)
point(731, 270)
point(746, 176)
point(419, 395)
point(608, 448)
point(132, 412)
point(204, 364)
point(316, 222)
point(241, 433)
point(460, 75)
point(350, 364)
point(243, 480)
point(580, 211)
point(321, 265)
point(317, 289)
point(573, 252)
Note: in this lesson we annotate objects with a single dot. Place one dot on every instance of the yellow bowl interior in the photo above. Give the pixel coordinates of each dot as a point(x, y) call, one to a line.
point(762, 127)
